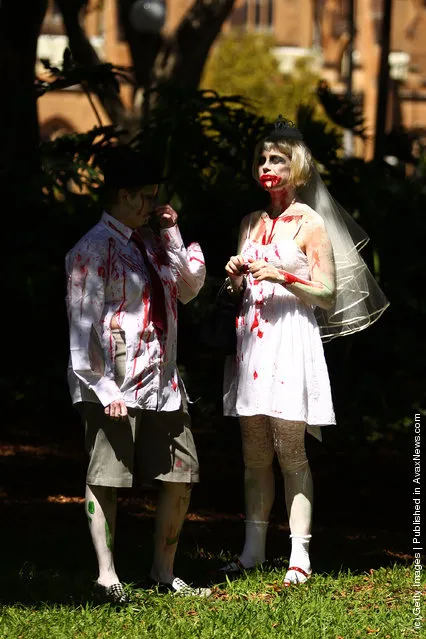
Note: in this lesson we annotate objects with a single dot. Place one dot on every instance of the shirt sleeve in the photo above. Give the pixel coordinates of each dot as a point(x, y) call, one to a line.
point(187, 263)
point(90, 359)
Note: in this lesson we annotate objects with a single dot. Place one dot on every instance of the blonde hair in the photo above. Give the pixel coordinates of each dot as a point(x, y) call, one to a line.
point(299, 154)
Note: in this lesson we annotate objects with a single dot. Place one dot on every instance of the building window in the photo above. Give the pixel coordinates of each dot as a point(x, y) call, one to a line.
point(253, 15)
point(258, 13)
point(270, 13)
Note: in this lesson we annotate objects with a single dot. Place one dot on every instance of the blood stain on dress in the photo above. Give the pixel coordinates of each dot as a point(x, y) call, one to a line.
point(255, 322)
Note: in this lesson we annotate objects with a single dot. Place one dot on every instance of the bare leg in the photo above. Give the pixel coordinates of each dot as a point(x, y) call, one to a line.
point(171, 510)
point(259, 487)
point(289, 443)
point(101, 509)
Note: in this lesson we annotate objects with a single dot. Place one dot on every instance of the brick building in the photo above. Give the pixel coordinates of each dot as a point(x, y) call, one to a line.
point(317, 28)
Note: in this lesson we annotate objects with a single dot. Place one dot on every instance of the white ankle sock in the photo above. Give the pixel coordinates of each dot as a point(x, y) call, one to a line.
point(255, 542)
point(300, 552)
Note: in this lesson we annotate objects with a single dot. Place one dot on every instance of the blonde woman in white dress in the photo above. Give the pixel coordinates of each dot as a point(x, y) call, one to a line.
point(278, 383)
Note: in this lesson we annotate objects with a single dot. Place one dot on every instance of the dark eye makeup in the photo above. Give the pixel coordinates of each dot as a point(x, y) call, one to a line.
point(274, 159)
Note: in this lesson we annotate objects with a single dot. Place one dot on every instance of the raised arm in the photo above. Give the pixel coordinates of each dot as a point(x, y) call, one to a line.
point(86, 271)
point(187, 263)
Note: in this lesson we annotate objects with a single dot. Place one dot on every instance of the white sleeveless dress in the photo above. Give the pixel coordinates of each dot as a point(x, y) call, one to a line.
point(279, 368)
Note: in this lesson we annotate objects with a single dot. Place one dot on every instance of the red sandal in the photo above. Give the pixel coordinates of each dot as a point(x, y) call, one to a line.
point(287, 582)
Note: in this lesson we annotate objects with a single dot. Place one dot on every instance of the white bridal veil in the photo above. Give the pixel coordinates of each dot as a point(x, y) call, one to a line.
point(359, 299)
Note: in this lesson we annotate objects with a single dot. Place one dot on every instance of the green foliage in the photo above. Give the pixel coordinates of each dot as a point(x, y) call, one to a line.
point(341, 110)
point(207, 143)
point(72, 162)
point(71, 74)
point(324, 141)
point(245, 64)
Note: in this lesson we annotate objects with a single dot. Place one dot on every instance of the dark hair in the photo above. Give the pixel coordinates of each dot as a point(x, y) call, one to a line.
point(125, 168)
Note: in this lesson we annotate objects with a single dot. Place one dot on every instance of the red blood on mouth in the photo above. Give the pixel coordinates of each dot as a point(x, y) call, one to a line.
point(274, 179)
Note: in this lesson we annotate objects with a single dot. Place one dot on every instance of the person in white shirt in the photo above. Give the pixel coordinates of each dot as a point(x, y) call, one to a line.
point(124, 282)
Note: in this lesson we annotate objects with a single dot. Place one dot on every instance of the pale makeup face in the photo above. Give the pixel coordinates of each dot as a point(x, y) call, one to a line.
point(274, 170)
point(139, 205)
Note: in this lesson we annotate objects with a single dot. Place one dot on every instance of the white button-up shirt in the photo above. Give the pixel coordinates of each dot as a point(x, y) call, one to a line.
point(107, 277)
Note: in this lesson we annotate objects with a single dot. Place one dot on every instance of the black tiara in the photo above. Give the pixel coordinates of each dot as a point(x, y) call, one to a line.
point(284, 129)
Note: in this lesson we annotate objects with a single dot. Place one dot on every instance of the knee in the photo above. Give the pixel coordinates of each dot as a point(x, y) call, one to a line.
point(257, 464)
point(293, 465)
point(255, 460)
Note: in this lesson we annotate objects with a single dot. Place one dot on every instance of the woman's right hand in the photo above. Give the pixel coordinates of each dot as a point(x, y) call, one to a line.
point(235, 266)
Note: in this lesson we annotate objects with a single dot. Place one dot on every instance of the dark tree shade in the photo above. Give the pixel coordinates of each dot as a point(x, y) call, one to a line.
point(19, 29)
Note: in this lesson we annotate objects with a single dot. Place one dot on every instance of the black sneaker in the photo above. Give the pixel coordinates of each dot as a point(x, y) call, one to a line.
point(111, 594)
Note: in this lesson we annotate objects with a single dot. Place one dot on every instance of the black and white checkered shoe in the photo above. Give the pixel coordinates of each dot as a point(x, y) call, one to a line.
point(179, 587)
point(114, 594)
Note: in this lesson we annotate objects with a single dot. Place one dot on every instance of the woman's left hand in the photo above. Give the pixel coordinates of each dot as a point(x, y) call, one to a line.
point(166, 215)
point(261, 270)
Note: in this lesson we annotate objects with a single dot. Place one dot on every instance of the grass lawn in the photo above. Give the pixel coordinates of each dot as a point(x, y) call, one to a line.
point(362, 559)
point(376, 604)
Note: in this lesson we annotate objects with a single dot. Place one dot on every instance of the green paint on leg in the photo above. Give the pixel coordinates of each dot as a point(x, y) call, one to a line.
point(108, 537)
point(170, 541)
point(90, 520)
point(91, 507)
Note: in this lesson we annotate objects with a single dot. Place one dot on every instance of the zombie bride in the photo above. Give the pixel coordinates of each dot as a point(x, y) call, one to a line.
point(302, 282)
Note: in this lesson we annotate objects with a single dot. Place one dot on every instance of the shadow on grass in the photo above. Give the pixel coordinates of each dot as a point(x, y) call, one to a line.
point(362, 504)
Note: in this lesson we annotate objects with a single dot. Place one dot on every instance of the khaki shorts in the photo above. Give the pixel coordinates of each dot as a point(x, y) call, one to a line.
point(147, 446)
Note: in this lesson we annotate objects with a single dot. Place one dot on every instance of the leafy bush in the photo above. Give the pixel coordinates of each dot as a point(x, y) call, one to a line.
point(206, 142)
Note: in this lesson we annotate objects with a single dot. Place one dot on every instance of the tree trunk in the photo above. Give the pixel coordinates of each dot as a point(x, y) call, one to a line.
point(144, 48)
point(179, 59)
point(19, 155)
point(83, 53)
point(383, 82)
point(182, 59)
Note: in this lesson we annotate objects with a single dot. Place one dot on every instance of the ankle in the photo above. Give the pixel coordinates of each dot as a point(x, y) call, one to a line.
point(255, 543)
point(162, 576)
point(300, 552)
point(250, 561)
point(108, 579)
